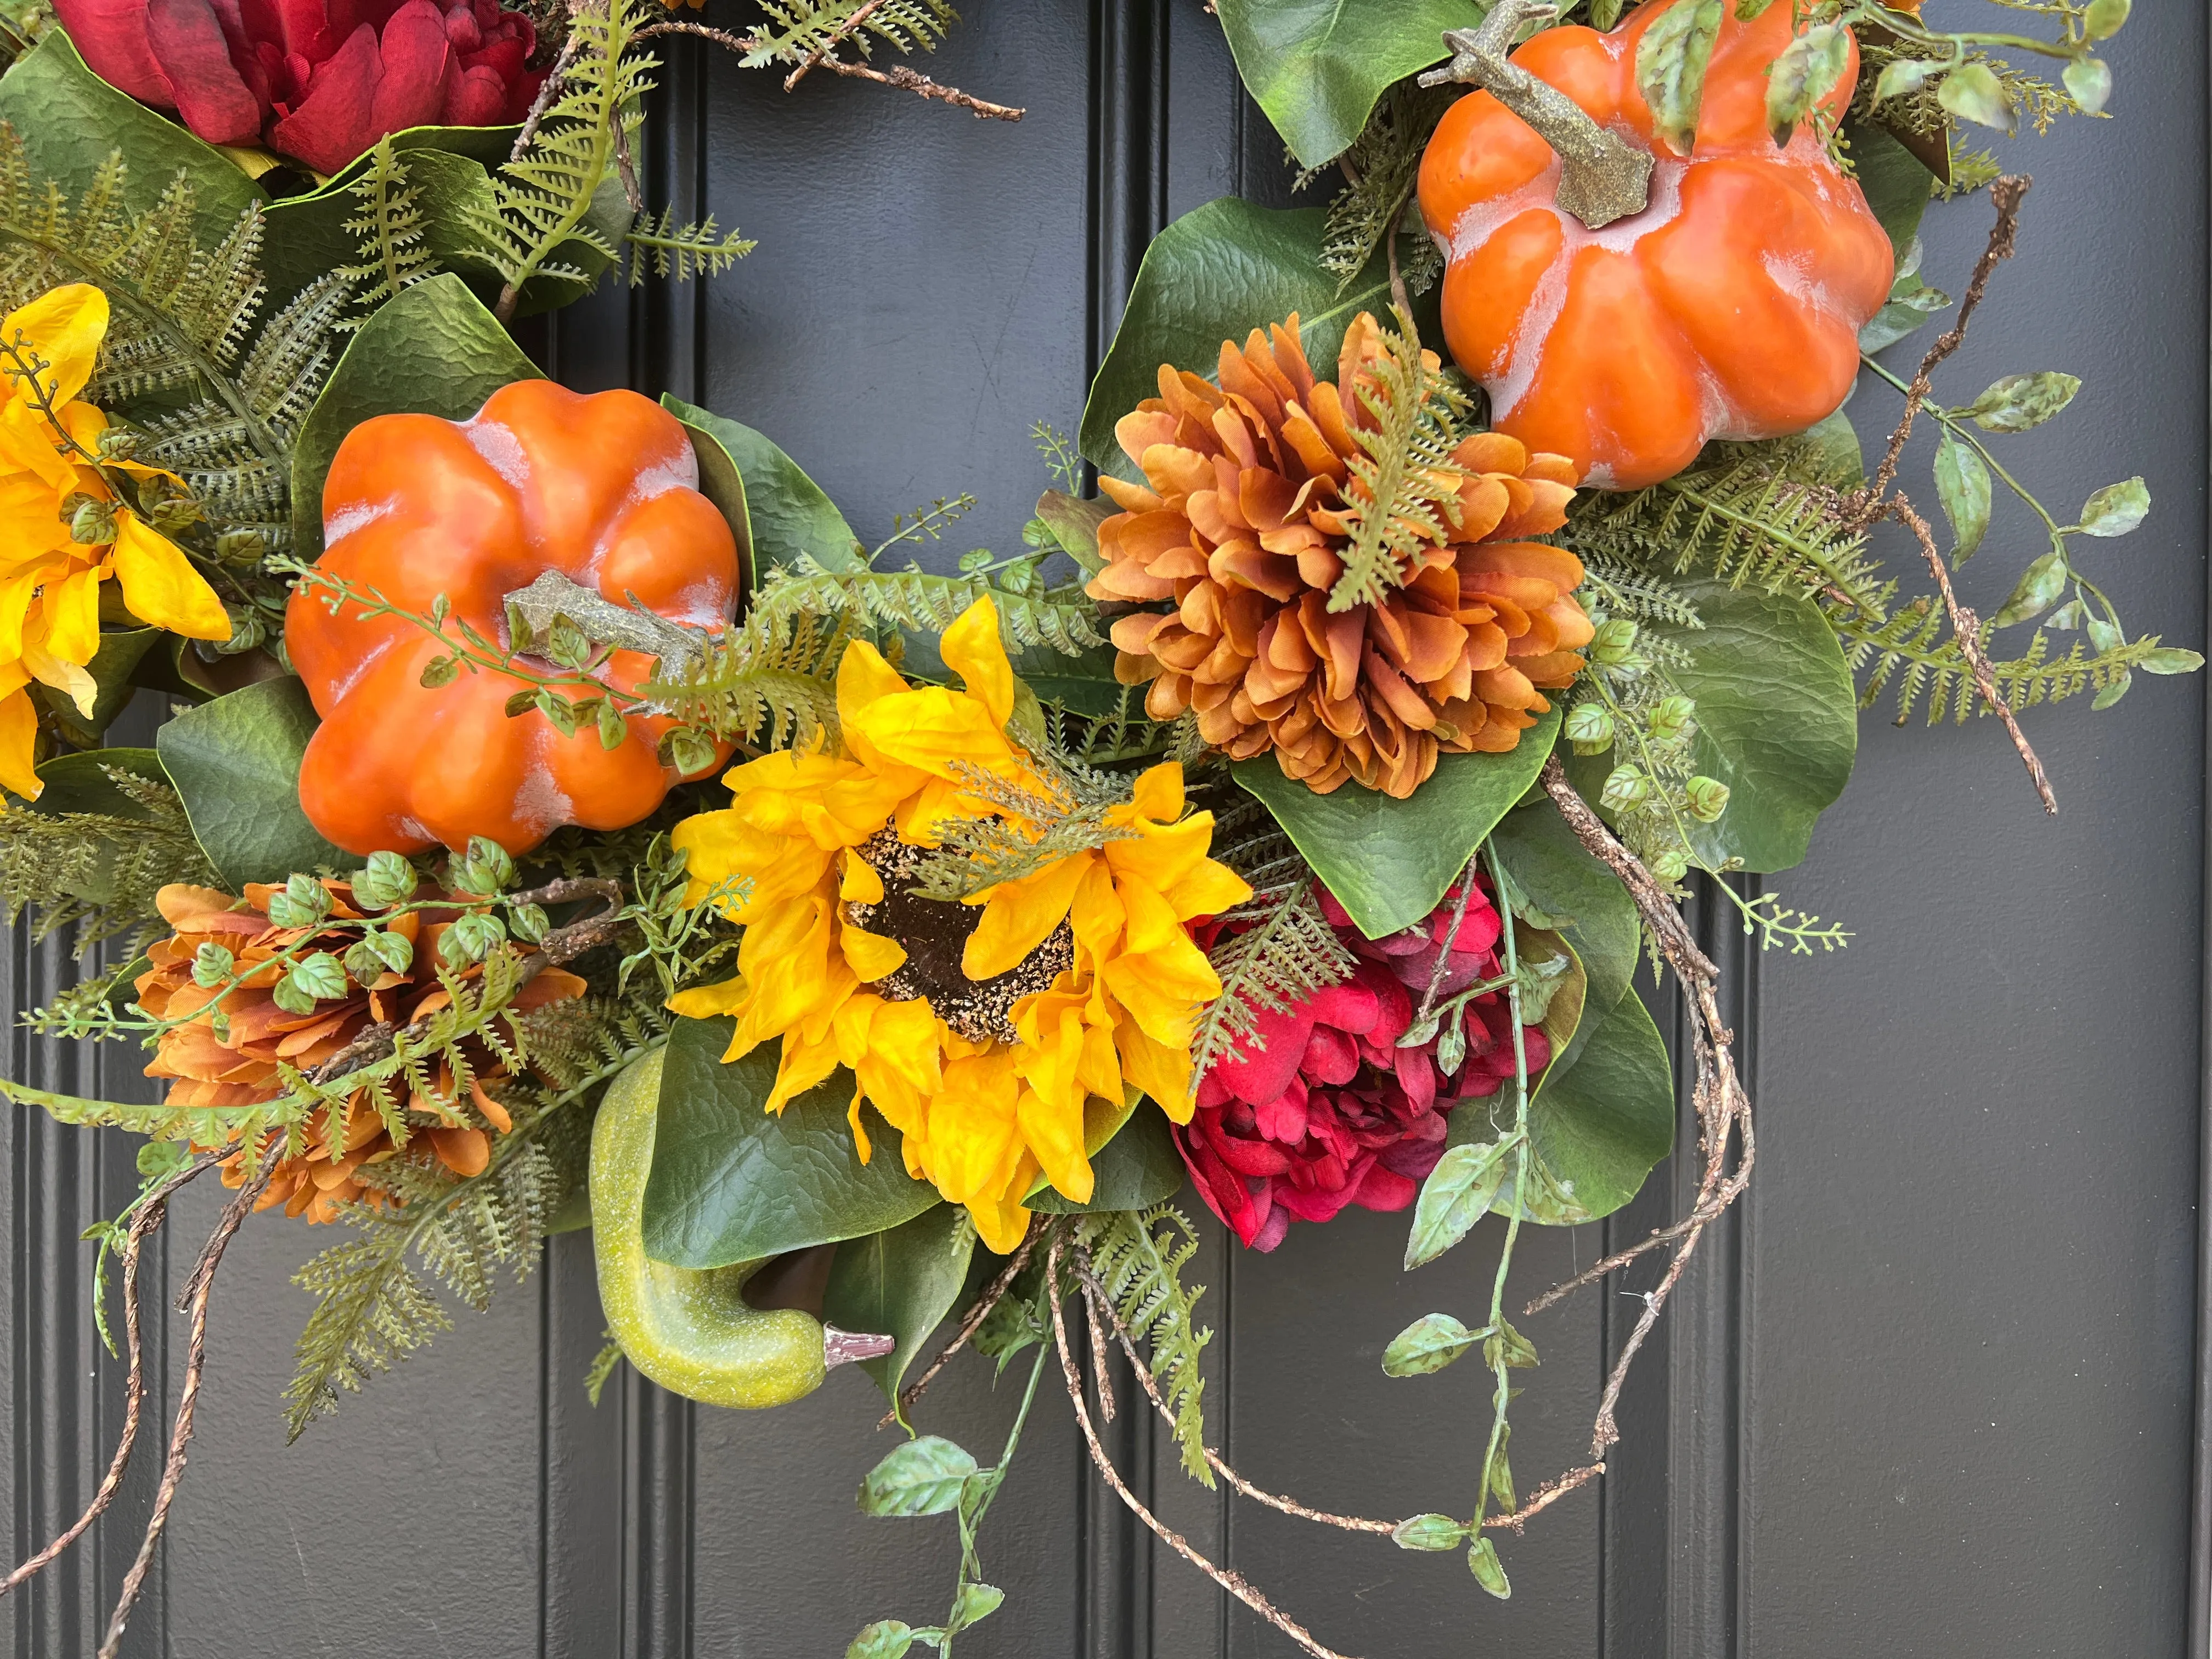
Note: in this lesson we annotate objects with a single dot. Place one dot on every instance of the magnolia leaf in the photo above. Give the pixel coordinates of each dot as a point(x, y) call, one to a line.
point(1134, 1166)
point(1896, 184)
point(720, 483)
point(1429, 1344)
point(922, 1477)
point(1973, 93)
point(71, 122)
point(903, 1281)
point(236, 765)
point(732, 1181)
point(2040, 584)
point(787, 513)
point(1593, 910)
point(1216, 274)
point(1962, 485)
point(2021, 402)
point(432, 349)
point(1777, 720)
point(80, 783)
point(2116, 509)
point(1390, 862)
point(1456, 1196)
point(1671, 61)
point(1599, 1123)
point(1317, 67)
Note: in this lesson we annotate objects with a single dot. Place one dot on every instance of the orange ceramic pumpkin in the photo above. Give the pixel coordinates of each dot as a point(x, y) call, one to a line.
point(600, 488)
point(1729, 307)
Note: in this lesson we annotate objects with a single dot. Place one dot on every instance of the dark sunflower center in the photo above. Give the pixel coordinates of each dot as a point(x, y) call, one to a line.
point(934, 933)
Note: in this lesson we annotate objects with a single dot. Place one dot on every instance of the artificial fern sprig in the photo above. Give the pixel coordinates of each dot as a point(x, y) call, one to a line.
point(389, 232)
point(1138, 1258)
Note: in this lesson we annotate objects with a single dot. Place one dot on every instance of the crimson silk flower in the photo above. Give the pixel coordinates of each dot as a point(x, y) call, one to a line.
point(320, 81)
point(1331, 1111)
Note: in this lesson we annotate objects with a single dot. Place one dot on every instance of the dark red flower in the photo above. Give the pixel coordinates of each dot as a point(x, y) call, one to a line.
point(320, 81)
point(1331, 1111)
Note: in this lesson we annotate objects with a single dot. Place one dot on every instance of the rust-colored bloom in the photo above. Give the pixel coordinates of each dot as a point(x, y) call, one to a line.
point(235, 1062)
point(1241, 526)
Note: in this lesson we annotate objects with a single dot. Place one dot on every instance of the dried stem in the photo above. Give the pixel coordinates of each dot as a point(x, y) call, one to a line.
point(1228, 1578)
point(153, 1208)
point(197, 1288)
point(547, 91)
point(1876, 502)
point(971, 1322)
point(838, 36)
point(898, 75)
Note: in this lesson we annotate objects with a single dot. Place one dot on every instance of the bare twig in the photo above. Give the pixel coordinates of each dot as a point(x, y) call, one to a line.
point(1228, 1578)
point(838, 36)
point(152, 1210)
point(2007, 192)
point(1102, 1305)
point(914, 81)
point(971, 1322)
point(547, 91)
point(197, 1288)
point(1966, 629)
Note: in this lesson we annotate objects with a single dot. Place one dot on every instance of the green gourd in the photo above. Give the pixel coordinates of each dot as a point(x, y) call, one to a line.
point(690, 1330)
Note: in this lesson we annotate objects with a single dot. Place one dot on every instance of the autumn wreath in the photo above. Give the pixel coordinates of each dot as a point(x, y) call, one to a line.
point(1444, 581)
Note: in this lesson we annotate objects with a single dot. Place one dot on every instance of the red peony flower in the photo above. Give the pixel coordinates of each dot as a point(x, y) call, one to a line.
point(320, 81)
point(1331, 1111)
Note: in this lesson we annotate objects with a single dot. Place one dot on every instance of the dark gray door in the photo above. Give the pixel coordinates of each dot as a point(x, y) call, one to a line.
point(1931, 1391)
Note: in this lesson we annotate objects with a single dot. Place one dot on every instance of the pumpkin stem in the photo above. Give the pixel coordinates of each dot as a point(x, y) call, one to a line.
point(1603, 176)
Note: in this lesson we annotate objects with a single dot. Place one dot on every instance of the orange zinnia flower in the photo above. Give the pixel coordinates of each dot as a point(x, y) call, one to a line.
point(1241, 526)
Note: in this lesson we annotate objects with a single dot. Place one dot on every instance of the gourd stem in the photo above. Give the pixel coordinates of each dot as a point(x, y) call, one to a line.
point(1603, 176)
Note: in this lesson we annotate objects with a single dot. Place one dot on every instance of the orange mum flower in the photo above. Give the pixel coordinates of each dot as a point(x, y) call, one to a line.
point(1241, 526)
point(235, 1061)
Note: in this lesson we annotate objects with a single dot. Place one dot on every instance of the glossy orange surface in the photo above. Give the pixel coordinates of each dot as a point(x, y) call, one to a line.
point(601, 489)
point(1729, 308)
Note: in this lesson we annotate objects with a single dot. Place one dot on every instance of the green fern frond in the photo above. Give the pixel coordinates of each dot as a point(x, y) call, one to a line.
point(1405, 485)
point(804, 29)
point(924, 602)
point(1288, 954)
point(1766, 515)
point(1913, 656)
point(1382, 167)
point(686, 252)
point(388, 231)
point(96, 872)
point(1028, 834)
point(1623, 592)
point(1137, 1259)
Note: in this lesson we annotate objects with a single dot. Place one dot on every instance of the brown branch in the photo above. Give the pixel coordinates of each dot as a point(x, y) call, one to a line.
point(543, 102)
point(197, 1288)
point(153, 1208)
point(1966, 629)
point(971, 1322)
point(838, 36)
point(1227, 1578)
point(2004, 236)
point(1098, 1303)
point(913, 80)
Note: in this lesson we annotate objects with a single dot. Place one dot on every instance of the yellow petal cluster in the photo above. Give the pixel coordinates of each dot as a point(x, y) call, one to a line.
point(980, 1119)
point(49, 582)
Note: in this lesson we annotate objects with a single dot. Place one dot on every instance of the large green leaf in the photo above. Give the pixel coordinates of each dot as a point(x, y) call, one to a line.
point(732, 1181)
point(432, 351)
point(236, 764)
point(1137, 1169)
point(1216, 274)
point(790, 513)
point(720, 483)
point(114, 669)
point(901, 1281)
point(1602, 1122)
point(1778, 720)
point(1583, 899)
point(1388, 861)
point(1896, 182)
point(1317, 66)
point(308, 235)
point(71, 121)
point(77, 783)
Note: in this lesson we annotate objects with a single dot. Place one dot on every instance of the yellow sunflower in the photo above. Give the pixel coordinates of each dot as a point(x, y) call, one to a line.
point(49, 579)
point(981, 1029)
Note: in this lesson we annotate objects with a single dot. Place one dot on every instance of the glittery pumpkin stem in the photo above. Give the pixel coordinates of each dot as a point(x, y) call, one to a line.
point(1603, 176)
